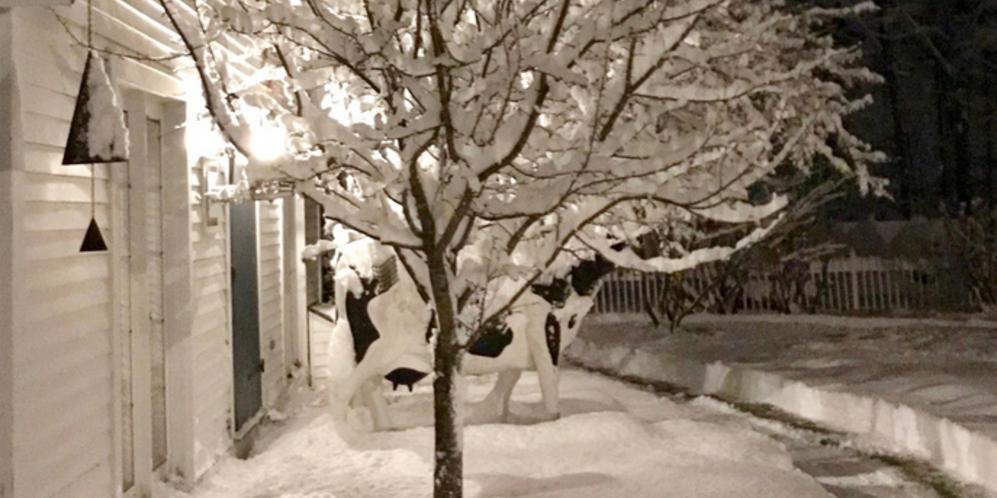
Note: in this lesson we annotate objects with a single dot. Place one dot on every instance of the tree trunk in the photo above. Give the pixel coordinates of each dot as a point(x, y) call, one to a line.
point(991, 128)
point(947, 184)
point(448, 475)
point(902, 151)
point(963, 170)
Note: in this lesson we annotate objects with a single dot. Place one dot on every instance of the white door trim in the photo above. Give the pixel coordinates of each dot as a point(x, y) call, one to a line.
point(178, 281)
point(138, 323)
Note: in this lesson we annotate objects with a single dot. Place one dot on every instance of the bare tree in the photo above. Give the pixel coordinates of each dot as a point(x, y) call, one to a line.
point(973, 240)
point(491, 142)
point(784, 257)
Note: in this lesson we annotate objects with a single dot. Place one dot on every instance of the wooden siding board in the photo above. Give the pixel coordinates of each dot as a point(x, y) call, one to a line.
point(72, 393)
point(212, 364)
point(68, 317)
point(45, 277)
point(37, 187)
point(57, 247)
point(94, 302)
point(47, 160)
point(271, 299)
point(81, 463)
point(10, 163)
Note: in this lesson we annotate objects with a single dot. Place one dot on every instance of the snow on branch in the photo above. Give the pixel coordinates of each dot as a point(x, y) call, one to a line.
point(627, 258)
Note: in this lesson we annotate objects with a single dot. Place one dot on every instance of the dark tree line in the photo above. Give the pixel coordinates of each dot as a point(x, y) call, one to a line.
point(935, 112)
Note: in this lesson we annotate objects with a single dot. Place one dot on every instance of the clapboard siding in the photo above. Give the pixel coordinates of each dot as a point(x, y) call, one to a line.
point(320, 332)
point(47, 160)
point(64, 360)
point(10, 157)
point(36, 187)
point(70, 327)
point(51, 276)
point(76, 478)
point(50, 246)
point(46, 216)
point(211, 333)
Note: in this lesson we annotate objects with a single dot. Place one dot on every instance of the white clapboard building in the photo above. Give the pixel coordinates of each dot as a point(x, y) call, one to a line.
point(143, 362)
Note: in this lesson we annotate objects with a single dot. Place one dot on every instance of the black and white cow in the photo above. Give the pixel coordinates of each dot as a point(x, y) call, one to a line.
point(563, 304)
point(390, 325)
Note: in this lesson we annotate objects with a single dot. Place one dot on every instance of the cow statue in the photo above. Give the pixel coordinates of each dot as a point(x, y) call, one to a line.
point(391, 326)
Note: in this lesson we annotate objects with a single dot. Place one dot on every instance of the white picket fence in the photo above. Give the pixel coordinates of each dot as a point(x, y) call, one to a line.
point(846, 285)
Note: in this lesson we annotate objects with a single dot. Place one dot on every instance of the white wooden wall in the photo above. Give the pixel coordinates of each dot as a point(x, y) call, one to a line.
point(271, 271)
point(211, 333)
point(65, 351)
point(295, 288)
point(321, 337)
point(7, 137)
point(63, 364)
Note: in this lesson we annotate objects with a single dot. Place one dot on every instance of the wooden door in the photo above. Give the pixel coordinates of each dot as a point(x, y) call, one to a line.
point(247, 375)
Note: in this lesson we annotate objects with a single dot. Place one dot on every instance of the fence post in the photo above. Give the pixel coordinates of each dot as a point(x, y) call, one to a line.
point(854, 272)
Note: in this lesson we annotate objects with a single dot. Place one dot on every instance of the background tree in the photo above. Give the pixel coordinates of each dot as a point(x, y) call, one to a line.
point(785, 257)
point(490, 142)
point(939, 63)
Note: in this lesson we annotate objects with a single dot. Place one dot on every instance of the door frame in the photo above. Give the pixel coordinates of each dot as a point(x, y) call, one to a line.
point(129, 213)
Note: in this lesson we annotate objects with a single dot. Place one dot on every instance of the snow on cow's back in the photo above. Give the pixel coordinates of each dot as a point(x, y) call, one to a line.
point(362, 256)
point(400, 313)
point(356, 261)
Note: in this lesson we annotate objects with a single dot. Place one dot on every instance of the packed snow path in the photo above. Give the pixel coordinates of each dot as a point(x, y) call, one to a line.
point(612, 439)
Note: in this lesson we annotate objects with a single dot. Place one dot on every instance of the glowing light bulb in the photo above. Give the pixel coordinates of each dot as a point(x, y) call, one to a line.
point(268, 142)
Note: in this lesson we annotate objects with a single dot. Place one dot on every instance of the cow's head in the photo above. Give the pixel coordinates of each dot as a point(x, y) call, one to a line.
point(556, 292)
point(586, 275)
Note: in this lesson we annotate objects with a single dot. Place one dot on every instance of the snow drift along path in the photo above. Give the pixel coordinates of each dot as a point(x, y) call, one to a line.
point(909, 388)
point(612, 440)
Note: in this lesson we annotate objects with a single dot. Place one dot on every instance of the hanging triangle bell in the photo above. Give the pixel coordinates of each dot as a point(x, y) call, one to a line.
point(98, 133)
point(93, 241)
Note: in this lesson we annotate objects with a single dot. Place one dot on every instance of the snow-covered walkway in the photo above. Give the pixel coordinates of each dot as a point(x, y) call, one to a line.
point(923, 388)
point(612, 440)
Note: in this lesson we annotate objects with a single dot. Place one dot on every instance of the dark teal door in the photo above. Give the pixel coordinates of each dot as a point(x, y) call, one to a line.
point(246, 363)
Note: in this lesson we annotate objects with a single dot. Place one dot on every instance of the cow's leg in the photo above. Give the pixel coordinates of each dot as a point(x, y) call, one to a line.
point(378, 361)
point(497, 400)
point(545, 364)
point(378, 406)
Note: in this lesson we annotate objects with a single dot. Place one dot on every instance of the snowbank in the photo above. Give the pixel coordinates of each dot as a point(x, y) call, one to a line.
point(891, 396)
point(866, 322)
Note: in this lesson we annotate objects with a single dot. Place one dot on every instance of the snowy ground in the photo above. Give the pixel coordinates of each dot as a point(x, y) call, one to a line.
point(612, 440)
point(927, 388)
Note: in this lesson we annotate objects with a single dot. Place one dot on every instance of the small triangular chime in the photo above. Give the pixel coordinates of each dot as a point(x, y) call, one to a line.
point(97, 133)
point(93, 241)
